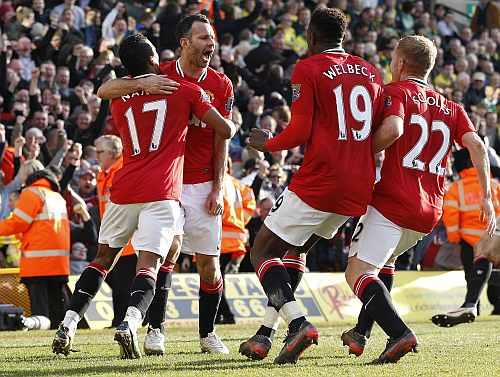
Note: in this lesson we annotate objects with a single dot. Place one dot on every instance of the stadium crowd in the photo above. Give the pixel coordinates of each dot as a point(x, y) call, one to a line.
point(54, 55)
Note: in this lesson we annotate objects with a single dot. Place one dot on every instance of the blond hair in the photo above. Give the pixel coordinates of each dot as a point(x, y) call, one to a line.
point(23, 14)
point(112, 142)
point(418, 52)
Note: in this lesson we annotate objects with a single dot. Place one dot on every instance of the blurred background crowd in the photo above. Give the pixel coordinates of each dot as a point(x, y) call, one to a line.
point(55, 54)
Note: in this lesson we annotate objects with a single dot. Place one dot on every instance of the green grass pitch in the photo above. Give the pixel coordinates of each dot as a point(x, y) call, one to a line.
point(465, 350)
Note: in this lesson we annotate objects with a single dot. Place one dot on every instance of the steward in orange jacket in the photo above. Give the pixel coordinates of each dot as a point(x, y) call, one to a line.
point(109, 154)
point(40, 217)
point(461, 209)
point(239, 205)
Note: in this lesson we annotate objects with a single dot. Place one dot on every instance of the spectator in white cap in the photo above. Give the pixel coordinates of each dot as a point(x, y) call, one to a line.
point(476, 92)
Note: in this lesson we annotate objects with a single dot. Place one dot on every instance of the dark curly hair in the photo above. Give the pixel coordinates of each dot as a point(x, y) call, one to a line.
point(328, 25)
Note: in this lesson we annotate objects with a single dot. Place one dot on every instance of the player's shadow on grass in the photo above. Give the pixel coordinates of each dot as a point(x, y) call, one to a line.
point(221, 365)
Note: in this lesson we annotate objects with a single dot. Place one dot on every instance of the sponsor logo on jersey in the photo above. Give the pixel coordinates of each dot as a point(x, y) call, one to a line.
point(295, 92)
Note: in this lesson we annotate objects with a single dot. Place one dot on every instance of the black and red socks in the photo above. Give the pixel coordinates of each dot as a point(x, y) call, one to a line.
point(210, 295)
point(378, 304)
point(365, 322)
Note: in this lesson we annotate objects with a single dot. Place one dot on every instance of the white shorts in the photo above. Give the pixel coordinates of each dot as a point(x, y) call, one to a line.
point(202, 231)
point(377, 239)
point(151, 226)
point(294, 221)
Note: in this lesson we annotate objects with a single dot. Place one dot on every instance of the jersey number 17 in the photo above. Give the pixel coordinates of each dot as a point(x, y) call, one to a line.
point(160, 107)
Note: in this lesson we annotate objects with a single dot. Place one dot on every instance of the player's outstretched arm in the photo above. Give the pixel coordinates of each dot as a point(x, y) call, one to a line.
point(479, 157)
point(152, 84)
point(297, 133)
point(389, 131)
point(222, 126)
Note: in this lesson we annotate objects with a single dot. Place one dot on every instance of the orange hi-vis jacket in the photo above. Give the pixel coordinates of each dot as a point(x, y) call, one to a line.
point(104, 183)
point(462, 205)
point(40, 215)
point(239, 205)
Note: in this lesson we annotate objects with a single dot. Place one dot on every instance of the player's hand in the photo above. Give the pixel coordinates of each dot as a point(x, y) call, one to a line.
point(487, 216)
point(258, 139)
point(158, 84)
point(215, 203)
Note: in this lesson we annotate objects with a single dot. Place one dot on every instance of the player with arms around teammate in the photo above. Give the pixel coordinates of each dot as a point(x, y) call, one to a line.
point(419, 128)
point(145, 194)
point(336, 101)
point(204, 169)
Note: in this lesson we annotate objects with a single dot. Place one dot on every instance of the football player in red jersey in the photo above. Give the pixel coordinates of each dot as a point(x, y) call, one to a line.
point(419, 128)
point(145, 196)
point(337, 98)
point(204, 170)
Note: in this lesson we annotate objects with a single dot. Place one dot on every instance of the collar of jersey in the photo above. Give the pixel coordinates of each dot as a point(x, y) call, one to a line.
point(337, 50)
point(138, 77)
point(417, 80)
point(180, 72)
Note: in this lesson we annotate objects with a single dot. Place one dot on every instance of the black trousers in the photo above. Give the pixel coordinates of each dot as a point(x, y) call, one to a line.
point(120, 279)
point(48, 297)
point(493, 291)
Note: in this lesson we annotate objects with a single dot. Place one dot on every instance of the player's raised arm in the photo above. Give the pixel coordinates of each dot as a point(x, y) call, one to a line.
point(299, 130)
point(152, 84)
point(223, 127)
point(481, 162)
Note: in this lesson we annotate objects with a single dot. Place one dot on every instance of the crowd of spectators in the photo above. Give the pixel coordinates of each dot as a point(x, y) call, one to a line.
point(55, 54)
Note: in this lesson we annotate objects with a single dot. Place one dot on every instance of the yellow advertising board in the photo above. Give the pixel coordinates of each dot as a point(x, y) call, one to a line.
point(417, 295)
point(324, 296)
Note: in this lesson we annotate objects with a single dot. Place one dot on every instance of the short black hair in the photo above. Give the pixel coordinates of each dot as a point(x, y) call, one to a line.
point(328, 25)
point(183, 29)
point(135, 53)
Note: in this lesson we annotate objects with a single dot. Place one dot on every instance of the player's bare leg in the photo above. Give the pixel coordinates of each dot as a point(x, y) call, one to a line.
point(364, 282)
point(154, 343)
point(258, 346)
point(355, 339)
point(86, 288)
point(211, 287)
point(141, 294)
point(266, 259)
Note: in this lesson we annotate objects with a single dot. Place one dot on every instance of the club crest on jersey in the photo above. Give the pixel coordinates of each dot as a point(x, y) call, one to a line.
point(205, 96)
point(295, 92)
point(388, 101)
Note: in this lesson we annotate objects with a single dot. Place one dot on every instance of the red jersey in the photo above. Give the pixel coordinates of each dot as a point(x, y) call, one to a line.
point(153, 132)
point(199, 158)
point(410, 192)
point(342, 95)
